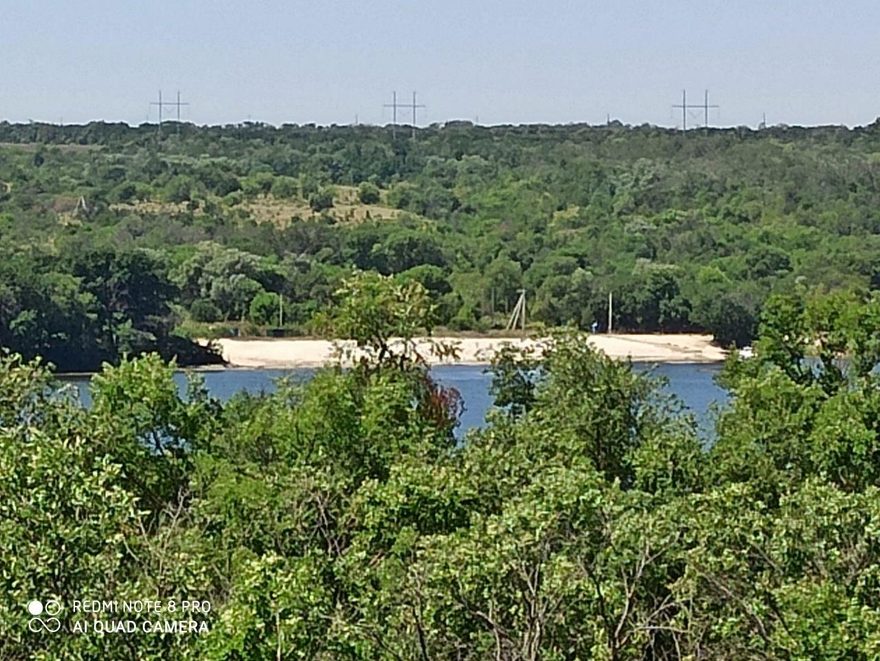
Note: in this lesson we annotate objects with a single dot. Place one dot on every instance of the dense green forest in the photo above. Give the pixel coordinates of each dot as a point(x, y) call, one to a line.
point(121, 239)
point(340, 519)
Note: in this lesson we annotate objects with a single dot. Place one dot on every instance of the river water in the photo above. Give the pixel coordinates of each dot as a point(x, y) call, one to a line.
point(693, 384)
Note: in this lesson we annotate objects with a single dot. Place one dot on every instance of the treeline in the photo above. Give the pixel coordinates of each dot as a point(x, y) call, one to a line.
point(340, 519)
point(690, 232)
point(79, 309)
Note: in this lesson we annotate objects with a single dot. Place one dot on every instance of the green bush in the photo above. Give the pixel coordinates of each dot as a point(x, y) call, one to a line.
point(204, 310)
point(285, 187)
point(321, 200)
point(264, 309)
point(368, 193)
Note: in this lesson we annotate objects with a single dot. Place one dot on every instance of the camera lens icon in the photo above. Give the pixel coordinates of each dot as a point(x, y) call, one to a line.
point(36, 608)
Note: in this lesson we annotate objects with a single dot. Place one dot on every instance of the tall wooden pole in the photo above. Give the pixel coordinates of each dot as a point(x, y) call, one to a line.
point(610, 308)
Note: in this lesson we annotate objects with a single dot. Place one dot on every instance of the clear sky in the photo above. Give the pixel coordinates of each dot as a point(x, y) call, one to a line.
point(798, 61)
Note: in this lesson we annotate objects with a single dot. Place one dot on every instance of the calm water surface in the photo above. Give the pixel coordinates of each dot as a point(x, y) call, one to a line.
point(693, 384)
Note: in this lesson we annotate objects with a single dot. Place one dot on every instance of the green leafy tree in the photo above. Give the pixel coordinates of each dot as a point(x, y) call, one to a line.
point(205, 311)
point(264, 309)
point(321, 200)
point(368, 193)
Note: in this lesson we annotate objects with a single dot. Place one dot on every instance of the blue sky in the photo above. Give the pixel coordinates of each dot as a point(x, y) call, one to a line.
point(804, 62)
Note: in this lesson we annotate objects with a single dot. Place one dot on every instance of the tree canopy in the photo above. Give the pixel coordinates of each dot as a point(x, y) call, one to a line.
point(689, 231)
point(339, 519)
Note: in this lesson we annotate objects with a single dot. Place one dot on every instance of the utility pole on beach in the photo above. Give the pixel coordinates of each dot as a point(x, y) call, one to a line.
point(610, 308)
point(518, 316)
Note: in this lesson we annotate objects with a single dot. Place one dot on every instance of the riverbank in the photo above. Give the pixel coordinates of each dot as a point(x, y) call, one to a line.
point(291, 353)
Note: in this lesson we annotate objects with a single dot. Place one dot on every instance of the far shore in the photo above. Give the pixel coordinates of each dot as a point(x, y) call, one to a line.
point(288, 353)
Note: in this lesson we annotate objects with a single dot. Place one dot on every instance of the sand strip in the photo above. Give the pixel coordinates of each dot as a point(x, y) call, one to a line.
point(289, 353)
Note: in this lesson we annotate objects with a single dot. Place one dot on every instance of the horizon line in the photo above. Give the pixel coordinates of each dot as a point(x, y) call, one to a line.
point(614, 123)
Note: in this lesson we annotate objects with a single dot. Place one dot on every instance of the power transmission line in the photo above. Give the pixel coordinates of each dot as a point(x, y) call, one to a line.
point(415, 106)
point(394, 107)
point(706, 107)
point(169, 104)
point(703, 106)
point(160, 104)
point(178, 104)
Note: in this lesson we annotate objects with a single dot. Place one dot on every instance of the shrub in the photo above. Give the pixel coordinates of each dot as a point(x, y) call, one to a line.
point(204, 310)
point(368, 193)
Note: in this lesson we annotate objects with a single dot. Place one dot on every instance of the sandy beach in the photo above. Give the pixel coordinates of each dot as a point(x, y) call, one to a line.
point(289, 353)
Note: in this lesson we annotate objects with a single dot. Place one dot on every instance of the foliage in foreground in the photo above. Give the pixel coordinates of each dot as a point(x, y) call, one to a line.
point(340, 519)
